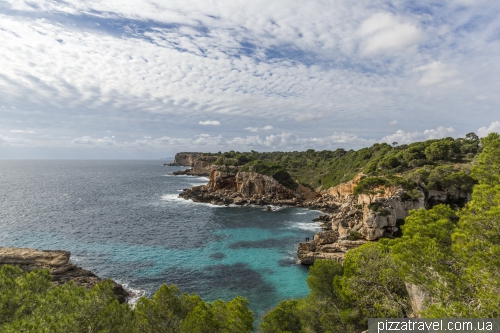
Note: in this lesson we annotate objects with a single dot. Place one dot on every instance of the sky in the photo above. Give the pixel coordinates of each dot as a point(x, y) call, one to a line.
point(144, 79)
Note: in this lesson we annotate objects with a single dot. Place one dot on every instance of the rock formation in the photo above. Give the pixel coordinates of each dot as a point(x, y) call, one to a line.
point(60, 267)
point(240, 188)
point(352, 221)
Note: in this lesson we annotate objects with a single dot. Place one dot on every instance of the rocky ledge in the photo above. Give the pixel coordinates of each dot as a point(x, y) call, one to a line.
point(241, 188)
point(353, 220)
point(60, 267)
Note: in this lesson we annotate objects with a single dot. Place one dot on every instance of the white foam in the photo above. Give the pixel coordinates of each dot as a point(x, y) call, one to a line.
point(135, 294)
point(172, 198)
point(273, 208)
point(301, 213)
point(312, 226)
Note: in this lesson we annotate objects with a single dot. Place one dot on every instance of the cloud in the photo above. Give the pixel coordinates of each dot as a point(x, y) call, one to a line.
point(383, 32)
point(437, 73)
point(393, 123)
point(494, 127)
point(88, 140)
point(209, 122)
point(403, 137)
point(14, 140)
point(23, 131)
point(257, 129)
point(307, 117)
point(147, 68)
point(481, 97)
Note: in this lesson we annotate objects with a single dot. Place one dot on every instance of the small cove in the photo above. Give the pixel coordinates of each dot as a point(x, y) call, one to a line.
point(123, 220)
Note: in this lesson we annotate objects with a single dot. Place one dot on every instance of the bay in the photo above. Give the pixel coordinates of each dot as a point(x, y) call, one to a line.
point(124, 220)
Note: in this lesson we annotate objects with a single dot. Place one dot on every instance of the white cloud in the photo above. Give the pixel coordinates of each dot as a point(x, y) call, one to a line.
point(23, 131)
point(307, 117)
point(383, 32)
point(393, 123)
point(403, 137)
point(481, 97)
point(209, 122)
point(88, 140)
point(438, 73)
point(257, 129)
point(352, 65)
point(484, 131)
point(14, 140)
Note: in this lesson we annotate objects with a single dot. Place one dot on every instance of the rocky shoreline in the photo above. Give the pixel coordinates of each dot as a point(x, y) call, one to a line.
point(59, 264)
point(349, 222)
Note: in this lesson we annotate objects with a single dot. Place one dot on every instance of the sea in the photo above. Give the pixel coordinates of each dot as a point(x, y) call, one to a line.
point(124, 220)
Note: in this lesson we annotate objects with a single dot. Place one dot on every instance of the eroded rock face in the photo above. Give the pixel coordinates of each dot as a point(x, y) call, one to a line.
point(351, 222)
point(240, 188)
point(418, 298)
point(61, 268)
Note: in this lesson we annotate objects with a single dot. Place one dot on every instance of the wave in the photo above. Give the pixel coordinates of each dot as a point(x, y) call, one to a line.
point(312, 226)
point(302, 213)
point(172, 198)
point(273, 208)
point(135, 294)
point(176, 198)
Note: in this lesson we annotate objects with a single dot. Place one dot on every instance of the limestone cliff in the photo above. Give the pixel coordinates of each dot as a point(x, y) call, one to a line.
point(352, 221)
point(200, 164)
point(60, 267)
point(234, 187)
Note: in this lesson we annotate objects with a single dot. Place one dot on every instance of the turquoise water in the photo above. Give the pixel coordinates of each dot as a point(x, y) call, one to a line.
point(124, 220)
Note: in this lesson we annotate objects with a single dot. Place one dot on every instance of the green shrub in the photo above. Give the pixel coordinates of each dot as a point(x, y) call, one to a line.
point(354, 235)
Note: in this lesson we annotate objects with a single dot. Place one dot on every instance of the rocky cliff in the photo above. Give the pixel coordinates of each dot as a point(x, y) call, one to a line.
point(352, 221)
point(185, 159)
point(239, 188)
point(60, 267)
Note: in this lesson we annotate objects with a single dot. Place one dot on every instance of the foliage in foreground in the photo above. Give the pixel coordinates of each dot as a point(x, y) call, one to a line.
point(30, 303)
point(451, 256)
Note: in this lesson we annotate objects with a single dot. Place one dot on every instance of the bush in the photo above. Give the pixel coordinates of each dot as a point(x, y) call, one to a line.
point(354, 235)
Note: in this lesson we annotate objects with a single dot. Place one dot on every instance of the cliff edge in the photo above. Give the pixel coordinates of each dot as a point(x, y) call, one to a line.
point(239, 188)
point(59, 265)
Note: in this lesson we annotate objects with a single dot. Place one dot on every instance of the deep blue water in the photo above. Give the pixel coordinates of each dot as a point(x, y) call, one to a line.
point(124, 220)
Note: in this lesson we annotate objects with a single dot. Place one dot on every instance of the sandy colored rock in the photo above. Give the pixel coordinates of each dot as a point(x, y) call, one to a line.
point(59, 265)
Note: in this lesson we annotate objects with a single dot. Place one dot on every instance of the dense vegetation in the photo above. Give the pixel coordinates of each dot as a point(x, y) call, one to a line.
point(30, 303)
point(429, 163)
point(453, 257)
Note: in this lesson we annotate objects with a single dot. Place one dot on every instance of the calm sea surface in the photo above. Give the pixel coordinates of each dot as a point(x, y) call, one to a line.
point(124, 220)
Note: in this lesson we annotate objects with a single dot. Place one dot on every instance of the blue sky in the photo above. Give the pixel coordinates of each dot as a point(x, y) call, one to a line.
point(146, 79)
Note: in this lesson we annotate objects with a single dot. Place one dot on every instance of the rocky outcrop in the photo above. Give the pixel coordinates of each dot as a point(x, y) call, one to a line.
point(418, 298)
point(240, 188)
point(60, 267)
point(449, 196)
point(185, 159)
point(200, 168)
point(352, 221)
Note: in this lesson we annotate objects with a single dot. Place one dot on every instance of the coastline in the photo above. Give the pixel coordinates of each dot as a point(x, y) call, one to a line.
point(61, 268)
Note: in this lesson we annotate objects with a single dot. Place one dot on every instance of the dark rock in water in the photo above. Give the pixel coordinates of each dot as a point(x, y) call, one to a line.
point(217, 255)
point(285, 262)
point(60, 267)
